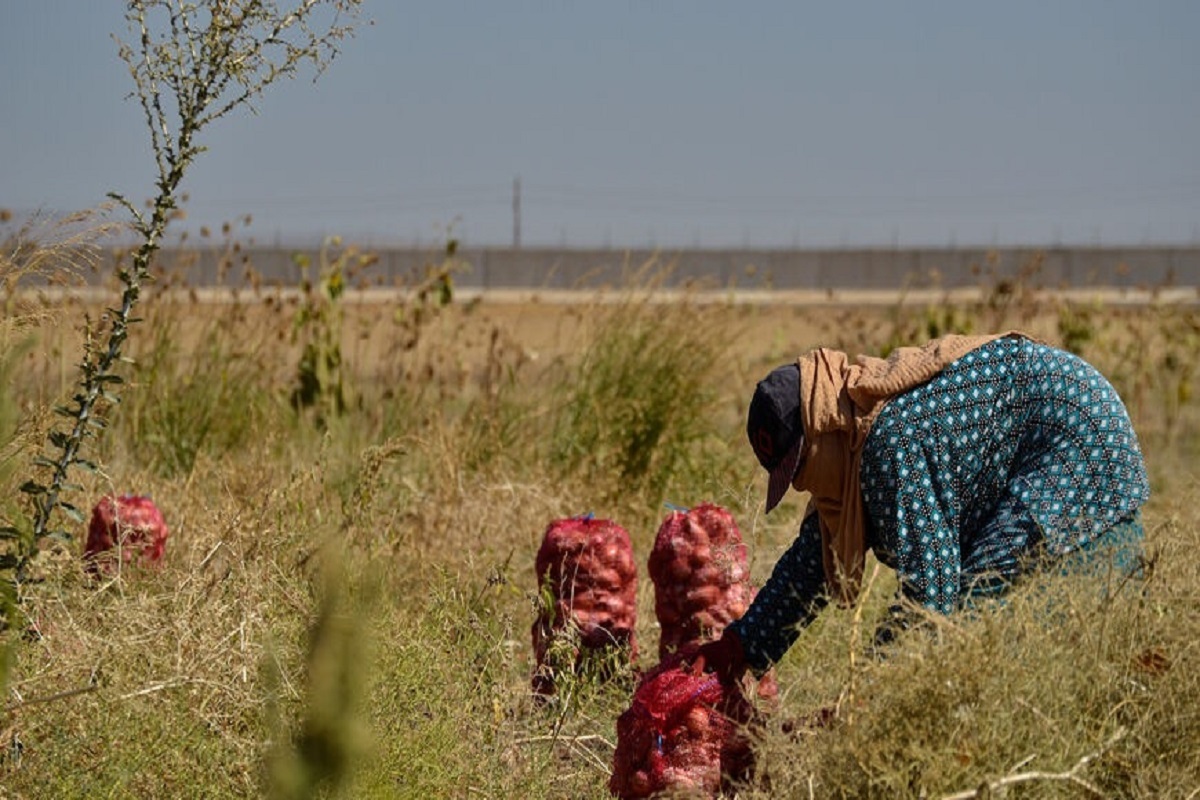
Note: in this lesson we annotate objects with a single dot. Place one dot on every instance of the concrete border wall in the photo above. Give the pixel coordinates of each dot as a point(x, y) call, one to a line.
point(553, 268)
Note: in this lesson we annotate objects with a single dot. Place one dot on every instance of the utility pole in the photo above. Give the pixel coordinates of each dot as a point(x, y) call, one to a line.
point(516, 206)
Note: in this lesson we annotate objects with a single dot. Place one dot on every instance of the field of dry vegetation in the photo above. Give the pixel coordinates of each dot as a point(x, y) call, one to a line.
point(356, 493)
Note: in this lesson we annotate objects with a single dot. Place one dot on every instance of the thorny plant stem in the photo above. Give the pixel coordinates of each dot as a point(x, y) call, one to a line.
point(207, 62)
point(98, 374)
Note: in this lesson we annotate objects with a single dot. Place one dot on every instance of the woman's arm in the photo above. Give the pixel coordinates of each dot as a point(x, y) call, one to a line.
point(791, 598)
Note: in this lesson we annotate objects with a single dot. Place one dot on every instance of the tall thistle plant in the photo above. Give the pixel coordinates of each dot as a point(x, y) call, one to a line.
point(192, 63)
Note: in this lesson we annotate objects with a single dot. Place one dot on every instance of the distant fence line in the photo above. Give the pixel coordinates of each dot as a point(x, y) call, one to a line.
point(833, 269)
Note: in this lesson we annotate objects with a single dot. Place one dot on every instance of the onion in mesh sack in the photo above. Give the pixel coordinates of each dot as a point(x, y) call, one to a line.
point(588, 580)
point(682, 733)
point(698, 566)
point(701, 581)
point(130, 524)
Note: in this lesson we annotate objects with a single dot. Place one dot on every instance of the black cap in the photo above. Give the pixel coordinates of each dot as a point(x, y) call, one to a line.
point(775, 430)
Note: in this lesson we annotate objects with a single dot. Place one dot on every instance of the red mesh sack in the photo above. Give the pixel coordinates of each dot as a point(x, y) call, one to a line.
point(682, 733)
point(701, 581)
point(588, 581)
point(129, 524)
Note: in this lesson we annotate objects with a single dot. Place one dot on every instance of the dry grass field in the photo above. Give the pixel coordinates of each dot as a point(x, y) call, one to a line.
point(356, 492)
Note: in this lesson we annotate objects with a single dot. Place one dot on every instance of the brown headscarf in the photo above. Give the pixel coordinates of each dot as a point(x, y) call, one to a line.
point(839, 400)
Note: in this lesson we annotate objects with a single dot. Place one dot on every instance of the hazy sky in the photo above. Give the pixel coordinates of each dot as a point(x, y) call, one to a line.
point(658, 123)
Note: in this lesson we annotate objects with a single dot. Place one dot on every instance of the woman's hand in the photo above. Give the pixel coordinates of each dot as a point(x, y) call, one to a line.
point(723, 657)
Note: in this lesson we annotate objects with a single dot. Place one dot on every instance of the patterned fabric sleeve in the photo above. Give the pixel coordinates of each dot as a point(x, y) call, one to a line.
point(792, 596)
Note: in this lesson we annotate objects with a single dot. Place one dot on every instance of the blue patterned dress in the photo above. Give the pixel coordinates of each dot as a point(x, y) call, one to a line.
point(1016, 449)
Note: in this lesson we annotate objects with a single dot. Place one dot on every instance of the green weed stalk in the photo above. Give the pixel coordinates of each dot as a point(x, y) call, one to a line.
point(191, 65)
